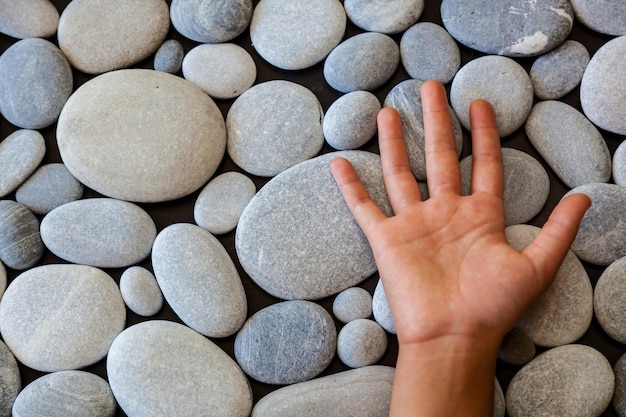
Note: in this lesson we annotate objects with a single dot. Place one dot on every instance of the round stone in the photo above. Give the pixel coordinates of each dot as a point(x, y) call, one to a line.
point(559, 71)
point(140, 291)
point(363, 62)
point(164, 368)
point(28, 18)
point(82, 312)
point(10, 380)
point(123, 132)
point(51, 186)
point(384, 16)
point(352, 304)
point(350, 122)
point(501, 81)
point(619, 165)
point(381, 309)
point(517, 348)
point(274, 126)
point(609, 19)
point(286, 343)
point(619, 397)
point(222, 201)
point(20, 241)
point(98, 37)
point(297, 34)
point(20, 155)
point(211, 21)
point(222, 70)
point(361, 342)
point(169, 57)
point(608, 300)
point(35, 82)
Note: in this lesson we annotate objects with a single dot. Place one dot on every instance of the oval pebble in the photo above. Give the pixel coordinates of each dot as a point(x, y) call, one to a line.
point(28, 18)
point(169, 57)
point(559, 71)
point(144, 110)
point(601, 17)
point(164, 368)
point(20, 241)
point(570, 380)
point(381, 309)
point(384, 16)
point(35, 82)
point(65, 393)
point(10, 380)
point(363, 62)
point(82, 312)
point(98, 37)
point(361, 343)
point(51, 186)
point(619, 165)
point(619, 397)
point(20, 154)
point(363, 392)
point(517, 348)
point(274, 126)
point(350, 122)
point(140, 291)
point(222, 70)
point(211, 21)
point(297, 34)
point(199, 280)
point(352, 304)
point(608, 300)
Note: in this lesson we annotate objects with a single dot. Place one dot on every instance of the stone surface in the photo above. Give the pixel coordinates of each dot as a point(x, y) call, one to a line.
point(301, 211)
point(10, 380)
point(361, 343)
point(517, 348)
point(50, 186)
point(619, 397)
point(211, 21)
point(571, 380)
point(602, 90)
point(364, 61)
point(608, 300)
point(381, 310)
point(524, 28)
point(572, 146)
point(3, 279)
point(140, 291)
point(98, 37)
point(501, 81)
point(199, 280)
point(559, 71)
point(169, 57)
point(164, 368)
point(28, 18)
point(101, 232)
point(260, 140)
point(350, 122)
point(20, 241)
point(384, 16)
point(222, 70)
point(35, 82)
point(352, 304)
point(499, 406)
point(297, 34)
point(286, 343)
point(65, 393)
point(363, 392)
point(20, 154)
point(605, 18)
point(155, 124)
point(405, 97)
point(619, 165)
point(61, 317)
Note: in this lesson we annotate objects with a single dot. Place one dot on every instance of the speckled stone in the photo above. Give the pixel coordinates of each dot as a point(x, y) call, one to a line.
point(35, 82)
point(607, 18)
point(98, 37)
point(559, 71)
point(428, 52)
point(164, 368)
point(301, 211)
point(211, 21)
point(572, 146)
point(619, 396)
point(517, 348)
point(406, 99)
point(65, 393)
point(384, 16)
point(563, 313)
point(274, 126)
point(352, 304)
point(20, 242)
point(3, 279)
point(50, 186)
point(10, 380)
point(499, 405)
point(524, 28)
point(501, 81)
point(83, 312)
point(381, 309)
point(571, 380)
point(602, 89)
point(361, 343)
point(619, 165)
point(20, 155)
point(222, 70)
point(140, 291)
point(350, 122)
point(28, 18)
point(365, 61)
point(363, 392)
point(169, 57)
point(297, 34)
point(608, 300)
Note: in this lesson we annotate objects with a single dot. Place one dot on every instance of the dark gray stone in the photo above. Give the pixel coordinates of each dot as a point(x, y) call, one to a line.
point(10, 380)
point(20, 242)
point(169, 57)
point(619, 165)
point(350, 122)
point(361, 343)
point(140, 291)
point(381, 309)
point(619, 397)
point(51, 186)
point(211, 21)
point(384, 16)
point(609, 297)
point(559, 71)
point(20, 155)
point(28, 18)
point(517, 348)
point(607, 18)
point(352, 304)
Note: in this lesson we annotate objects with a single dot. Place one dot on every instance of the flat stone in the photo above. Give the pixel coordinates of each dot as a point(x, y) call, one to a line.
point(156, 124)
point(101, 232)
point(211, 21)
point(297, 34)
point(363, 392)
point(428, 52)
point(222, 70)
point(10, 380)
point(384, 16)
point(20, 242)
point(199, 280)
point(28, 18)
point(407, 100)
point(381, 309)
point(83, 312)
point(50, 186)
point(517, 348)
point(601, 17)
point(164, 368)
point(563, 313)
point(619, 165)
point(526, 185)
point(222, 201)
point(619, 396)
point(608, 300)
point(350, 121)
point(98, 37)
point(365, 61)
point(501, 81)
point(602, 90)
point(169, 57)
point(140, 291)
point(59, 394)
point(361, 343)
point(559, 71)
point(260, 140)
point(524, 28)
point(352, 304)
point(20, 155)
point(35, 82)
point(571, 380)
point(301, 211)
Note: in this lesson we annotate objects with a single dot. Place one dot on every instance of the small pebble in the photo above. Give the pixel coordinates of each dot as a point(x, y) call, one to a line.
point(28, 18)
point(619, 164)
point(384, 16)
point(619, 397)
point(517, 348)
point(140, 291)
point(20, 154)
point(601, 17)
point(169, 57)
point(212, 21)
point(51, 186)
point(609, 297)
point(559, 71)
point(381, 309)
point(350, 122)
point(10, 380)
point(20, 241)
point(352, 304)
point(361, 343)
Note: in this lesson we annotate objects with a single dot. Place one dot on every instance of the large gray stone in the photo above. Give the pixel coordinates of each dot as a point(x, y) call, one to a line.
point(350, 122)
point(559, 71)
point(607, 18)
point(361, 343)
point(384, 16)
point(20, 155)
point(211, 21)
point(140, 291)
point(20, 241)
point(10, 380)
point(28, 18)
point(609, 297)
point(51, 186)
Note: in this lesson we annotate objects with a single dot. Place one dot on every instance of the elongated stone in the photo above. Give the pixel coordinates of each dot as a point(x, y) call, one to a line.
point(20, 155)
point(20, 241)
point(28, 18)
